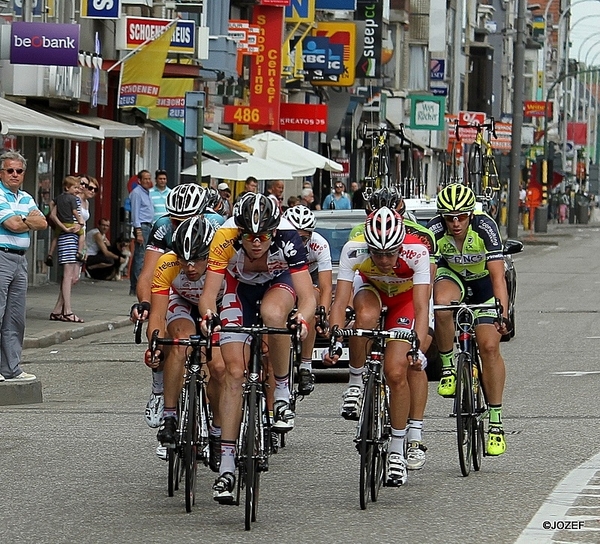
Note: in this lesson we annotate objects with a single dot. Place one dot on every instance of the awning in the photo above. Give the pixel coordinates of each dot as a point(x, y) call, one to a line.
point(211, 148)
point(19, 120)
point(108, 127)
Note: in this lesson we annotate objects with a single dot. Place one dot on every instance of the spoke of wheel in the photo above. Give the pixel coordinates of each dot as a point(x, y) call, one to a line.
point(190, 445)
point(464, 403)
point(366, 441)
point(250, 456)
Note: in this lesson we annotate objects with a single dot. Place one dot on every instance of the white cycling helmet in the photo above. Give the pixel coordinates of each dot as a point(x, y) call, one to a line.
point(384, 230)
point(301, 217)
point(186, 200)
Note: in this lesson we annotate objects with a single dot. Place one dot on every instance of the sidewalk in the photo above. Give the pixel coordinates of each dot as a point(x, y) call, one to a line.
point(103, 305)
point(557, 233)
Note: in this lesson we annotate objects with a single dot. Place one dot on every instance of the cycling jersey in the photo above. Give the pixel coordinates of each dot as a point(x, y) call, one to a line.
point(286, 252)
point(161, 235)
point(169, 278)
point(319, 255)
point(482, 244)
point(412, 227)
point(412, 266)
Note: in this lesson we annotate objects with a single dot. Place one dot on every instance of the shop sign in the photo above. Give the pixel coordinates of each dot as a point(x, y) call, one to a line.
point(303, 117)
point(134, 31)
point(47, 44)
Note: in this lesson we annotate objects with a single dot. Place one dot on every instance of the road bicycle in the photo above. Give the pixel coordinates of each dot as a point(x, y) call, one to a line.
point(481, 165)
point(470, 401)
point(374, 427)
point(412, 185)
point(254, 440)
point(192, 437)
point(450, 170)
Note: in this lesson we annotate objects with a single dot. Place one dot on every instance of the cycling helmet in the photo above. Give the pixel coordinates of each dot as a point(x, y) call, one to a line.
point(387, 197)
point(301, 217)
point(455, 198)
point(213, 198)
point(192, 238)
point(185, 200)
point(384, 230)
point(256, 214)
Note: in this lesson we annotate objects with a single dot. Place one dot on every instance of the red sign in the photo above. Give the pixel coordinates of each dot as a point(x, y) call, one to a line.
point(248, 115)
point(265, 67)
point(303, 117)
point(537, 108)
point(281, 3)
point(577, 133)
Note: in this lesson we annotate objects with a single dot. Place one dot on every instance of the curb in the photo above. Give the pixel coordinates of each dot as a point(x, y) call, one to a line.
point(77, 332)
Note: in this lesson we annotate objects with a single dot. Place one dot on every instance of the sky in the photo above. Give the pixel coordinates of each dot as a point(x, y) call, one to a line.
point(585, 34)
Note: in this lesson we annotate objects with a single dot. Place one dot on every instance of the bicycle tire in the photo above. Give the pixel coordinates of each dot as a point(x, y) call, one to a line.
point(381, 417)
point(174, 458)
point(251, 474)
point(191, 444)
point(365, 445)
point(475, 168)
point(464, 413)
point(478, 430)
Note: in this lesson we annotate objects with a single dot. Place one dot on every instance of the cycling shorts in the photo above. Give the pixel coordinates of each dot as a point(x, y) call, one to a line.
point(239, 303)
point(481, 293)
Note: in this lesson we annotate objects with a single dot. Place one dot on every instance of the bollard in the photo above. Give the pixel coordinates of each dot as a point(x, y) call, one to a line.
point(541, 219)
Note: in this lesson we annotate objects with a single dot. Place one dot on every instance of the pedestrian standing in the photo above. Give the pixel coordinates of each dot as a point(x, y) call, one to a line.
point(18, 216)
point(225, 194)
point(142, 215)
point(159, 193)
point(338, 200)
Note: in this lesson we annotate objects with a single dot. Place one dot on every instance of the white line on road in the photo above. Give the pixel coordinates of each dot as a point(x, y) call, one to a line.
point(557, 504)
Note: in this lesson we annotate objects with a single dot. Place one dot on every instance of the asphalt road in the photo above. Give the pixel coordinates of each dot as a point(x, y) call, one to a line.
point(81, 466)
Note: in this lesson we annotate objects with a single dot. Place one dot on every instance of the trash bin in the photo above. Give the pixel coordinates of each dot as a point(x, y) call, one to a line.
point(540, 220)
point(583, 214)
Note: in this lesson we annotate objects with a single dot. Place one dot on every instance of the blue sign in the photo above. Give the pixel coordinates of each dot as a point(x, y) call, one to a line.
point(315, 53)
point(101, 9)
point(439, 91)
point(347, 5)
point(335, 60)
point(437, 69)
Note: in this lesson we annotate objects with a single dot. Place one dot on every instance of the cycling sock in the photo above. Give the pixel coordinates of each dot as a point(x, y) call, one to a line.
point(356, 375)
point(157, 382)
point(496, 415)
point(306, 363)
point(414, 430)
point(227, 457)
point(282, 389)
point(446, 359)
point(170, 412)
point(397, 442)
point(215, 431)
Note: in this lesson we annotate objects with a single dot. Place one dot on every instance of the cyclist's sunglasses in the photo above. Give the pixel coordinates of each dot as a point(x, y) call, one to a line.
point(260, 237)
point(305, 238)
point(378, 253)
point(460, 217)
point(183, 263)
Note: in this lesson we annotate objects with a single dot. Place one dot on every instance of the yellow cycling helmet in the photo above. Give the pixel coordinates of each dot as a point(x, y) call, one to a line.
point(455, 198)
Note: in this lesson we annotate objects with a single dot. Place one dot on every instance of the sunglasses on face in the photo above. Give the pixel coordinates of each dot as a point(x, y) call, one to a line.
point(339, 186)
point(305, 238)
point(260, 237)
point(90, 187)
point(451, 217)
point(11, 171)
point(377, 253)
point(189, 264)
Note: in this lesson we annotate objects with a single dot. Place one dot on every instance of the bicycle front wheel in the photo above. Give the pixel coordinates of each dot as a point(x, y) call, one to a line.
point(478, 430)
point(475, 168)
point(252, 475)
point(380, 437)
point(191, 444)
point(365, 445)
point(464, 412)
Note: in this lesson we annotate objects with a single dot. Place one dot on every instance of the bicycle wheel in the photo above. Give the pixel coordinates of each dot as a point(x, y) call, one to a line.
point(380, 436)
point(252, 475)
point(475, 168)
point(464, 412)
point(191, 444)
point(365, 445)
point(478, 430)
point(174, 457)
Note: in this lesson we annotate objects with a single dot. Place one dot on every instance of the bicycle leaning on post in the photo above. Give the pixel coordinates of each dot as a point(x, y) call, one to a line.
point(254, 442)
point(192, 442)
point(470, 401)
point(374, 425)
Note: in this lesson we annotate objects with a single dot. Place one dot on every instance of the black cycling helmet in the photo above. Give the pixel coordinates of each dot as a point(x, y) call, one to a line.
point(455, 198)
point(388, 197)
point(185, 200)
point(256, 214)
point(384, 230)
point(192, 238)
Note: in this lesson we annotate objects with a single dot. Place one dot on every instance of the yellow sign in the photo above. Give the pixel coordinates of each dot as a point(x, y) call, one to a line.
point(344, 34)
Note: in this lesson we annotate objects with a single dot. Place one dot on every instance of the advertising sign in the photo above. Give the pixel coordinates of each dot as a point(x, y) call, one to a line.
point(134, 31)
point(537, 108)
point(300, 11)
point(318, 54)
point(265, 66)
point(279, 3)
point(427, 112)
point(303, 117)
point(44, 43)
point(437, 69)
point(371, 12)
point(346, 5)
point(101, 9)
point(343, 34)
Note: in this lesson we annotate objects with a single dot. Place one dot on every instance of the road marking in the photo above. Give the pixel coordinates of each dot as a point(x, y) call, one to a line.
point(576, 373)
point(558, 503)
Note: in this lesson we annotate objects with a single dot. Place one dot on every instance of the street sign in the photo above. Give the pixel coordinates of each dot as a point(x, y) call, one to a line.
point(194, 100)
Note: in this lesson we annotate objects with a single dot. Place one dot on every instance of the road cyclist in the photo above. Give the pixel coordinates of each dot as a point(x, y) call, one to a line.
point(320, 269)
point(417, 378)
point(261, 257)
point(471, 265)
point(389, 268)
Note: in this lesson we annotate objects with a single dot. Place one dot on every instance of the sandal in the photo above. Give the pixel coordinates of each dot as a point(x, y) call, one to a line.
point(56, 317)
point(71, 318)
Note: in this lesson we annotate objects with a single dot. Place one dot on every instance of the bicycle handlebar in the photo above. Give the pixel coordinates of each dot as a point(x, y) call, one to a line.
point(137, 331)
point(411, 336)
point(490, 125)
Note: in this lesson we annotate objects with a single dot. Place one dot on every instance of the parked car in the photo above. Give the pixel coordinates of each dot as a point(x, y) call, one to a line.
point(335, 227)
